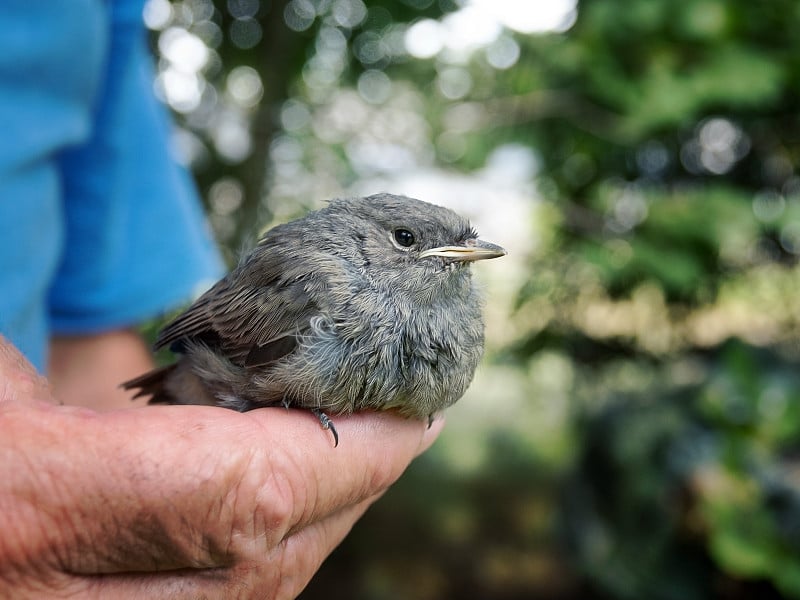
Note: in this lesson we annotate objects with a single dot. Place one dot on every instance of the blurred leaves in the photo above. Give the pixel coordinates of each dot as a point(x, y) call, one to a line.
point(676, 487)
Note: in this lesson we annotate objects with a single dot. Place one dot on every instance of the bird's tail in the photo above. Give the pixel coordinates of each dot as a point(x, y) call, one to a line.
point(152, 384)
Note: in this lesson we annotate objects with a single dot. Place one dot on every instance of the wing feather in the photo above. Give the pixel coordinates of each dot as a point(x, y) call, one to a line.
point(263, 300)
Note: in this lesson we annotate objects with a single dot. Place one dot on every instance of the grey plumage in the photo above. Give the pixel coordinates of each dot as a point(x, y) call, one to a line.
point(333, 312)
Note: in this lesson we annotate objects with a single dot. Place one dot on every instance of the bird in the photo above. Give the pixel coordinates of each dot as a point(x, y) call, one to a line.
point(365, 304)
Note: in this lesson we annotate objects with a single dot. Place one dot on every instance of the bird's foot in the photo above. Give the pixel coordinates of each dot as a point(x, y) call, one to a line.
point(327, 424)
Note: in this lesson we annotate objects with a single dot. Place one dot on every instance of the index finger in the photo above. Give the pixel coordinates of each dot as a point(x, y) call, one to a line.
point(317, 479)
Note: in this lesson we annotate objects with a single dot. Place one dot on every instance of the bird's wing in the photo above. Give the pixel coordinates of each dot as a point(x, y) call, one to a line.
point(254, 315)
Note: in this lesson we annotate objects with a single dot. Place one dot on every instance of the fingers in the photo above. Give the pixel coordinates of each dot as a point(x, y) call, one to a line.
point(280, 575)
point(220, 487)
point(184, 584)
point(374, 449)
point(309, 547)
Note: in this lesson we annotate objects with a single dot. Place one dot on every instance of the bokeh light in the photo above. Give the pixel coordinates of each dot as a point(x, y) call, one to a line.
point(717, 146)
point(374, 86)
point(157, 14)
point(534, 16)
point(243, 9)
point(244, 86)
point(424, 39)
point(503, 53)
point(245, 33)
point(479, 24)
point(299, 15)
point(348, 13)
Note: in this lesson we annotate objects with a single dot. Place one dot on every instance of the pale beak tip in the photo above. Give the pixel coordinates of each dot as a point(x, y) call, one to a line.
point(488, 250)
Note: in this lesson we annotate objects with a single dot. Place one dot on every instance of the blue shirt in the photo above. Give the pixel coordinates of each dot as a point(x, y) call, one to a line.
point(101, 228)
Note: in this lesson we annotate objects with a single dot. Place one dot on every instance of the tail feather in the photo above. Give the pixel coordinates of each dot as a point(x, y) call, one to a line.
point(152, 384)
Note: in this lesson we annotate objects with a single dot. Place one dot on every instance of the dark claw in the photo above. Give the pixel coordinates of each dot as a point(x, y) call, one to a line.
point(327, 424)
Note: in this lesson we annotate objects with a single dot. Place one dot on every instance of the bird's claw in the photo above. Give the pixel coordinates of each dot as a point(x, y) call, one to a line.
point(327, 424)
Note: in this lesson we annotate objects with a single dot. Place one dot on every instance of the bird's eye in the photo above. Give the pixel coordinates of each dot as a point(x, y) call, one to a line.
point(404, 237)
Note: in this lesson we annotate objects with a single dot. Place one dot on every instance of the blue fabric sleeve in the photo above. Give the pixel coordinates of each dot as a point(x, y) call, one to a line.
point(102, 228)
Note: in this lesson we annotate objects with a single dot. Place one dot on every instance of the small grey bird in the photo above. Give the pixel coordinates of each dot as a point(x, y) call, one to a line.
point(367, 303)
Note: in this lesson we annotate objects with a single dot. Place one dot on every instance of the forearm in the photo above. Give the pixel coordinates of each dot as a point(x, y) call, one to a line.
point(87, 370)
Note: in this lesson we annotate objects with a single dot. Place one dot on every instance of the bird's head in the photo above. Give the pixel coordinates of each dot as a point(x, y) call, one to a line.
point(409, 244)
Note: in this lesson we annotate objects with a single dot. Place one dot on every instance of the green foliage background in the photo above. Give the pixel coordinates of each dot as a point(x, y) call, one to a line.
point(658, 318)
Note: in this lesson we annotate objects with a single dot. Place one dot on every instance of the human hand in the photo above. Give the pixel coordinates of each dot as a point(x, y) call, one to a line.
point(184, 501)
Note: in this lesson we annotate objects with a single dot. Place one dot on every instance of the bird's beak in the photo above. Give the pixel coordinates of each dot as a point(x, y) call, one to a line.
point(472, 250)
